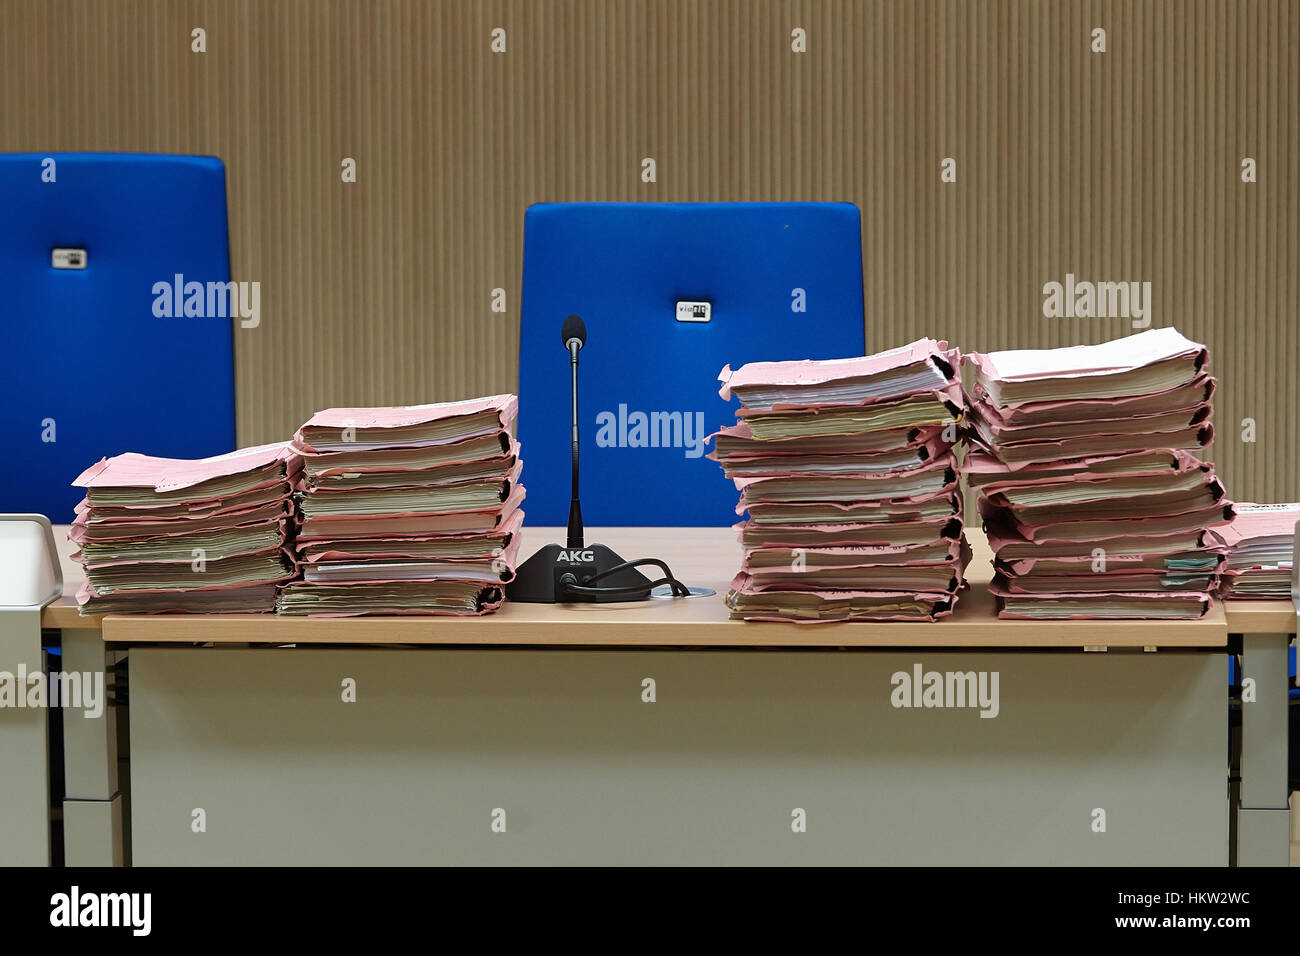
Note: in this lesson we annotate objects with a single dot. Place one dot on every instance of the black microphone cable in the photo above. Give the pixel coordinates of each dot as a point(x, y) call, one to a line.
point(569, 581)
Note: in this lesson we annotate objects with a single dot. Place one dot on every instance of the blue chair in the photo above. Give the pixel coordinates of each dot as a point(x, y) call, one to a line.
point(88, 362)
point(782, 281)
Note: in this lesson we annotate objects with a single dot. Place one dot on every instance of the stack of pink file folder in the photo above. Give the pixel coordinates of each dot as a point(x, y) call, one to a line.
point(847, 471)
point(1261, 551)
point(409, 510)
point(168, 534)
point(1090, 487)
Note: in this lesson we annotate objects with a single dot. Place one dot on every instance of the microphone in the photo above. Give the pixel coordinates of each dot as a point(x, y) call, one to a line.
point(573, 331)
point(578, 572)
point(574, 336)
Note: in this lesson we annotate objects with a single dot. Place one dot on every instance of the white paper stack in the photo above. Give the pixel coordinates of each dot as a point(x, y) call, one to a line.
point(847, 471)
point(168, 534)
point(407, 510)
point(1261, 551)
point(1093, 500)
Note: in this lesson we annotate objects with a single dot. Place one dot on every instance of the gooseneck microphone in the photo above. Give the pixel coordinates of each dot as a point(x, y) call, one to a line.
point(578, 572)
point(574, 335)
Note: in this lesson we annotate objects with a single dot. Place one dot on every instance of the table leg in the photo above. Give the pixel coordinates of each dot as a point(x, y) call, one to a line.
point(1264, 819)
point(24, 743)
point(92, 807)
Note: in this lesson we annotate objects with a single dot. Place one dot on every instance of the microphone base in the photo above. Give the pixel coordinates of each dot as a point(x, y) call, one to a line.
point(537, 579)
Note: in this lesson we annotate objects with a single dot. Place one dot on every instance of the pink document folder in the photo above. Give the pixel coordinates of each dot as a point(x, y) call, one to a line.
point(334, 423)
point(808, 372)
point(133, 470)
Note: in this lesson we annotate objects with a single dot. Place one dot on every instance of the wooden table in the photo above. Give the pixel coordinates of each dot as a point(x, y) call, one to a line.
point(706, 557)
point(164, 690)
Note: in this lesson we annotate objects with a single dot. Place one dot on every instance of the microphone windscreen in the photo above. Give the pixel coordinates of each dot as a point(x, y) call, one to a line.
point(574, 328)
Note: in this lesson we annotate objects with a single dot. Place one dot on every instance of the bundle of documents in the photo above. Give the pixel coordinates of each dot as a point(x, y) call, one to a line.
point(847, 470)
point(1261, 551)
point(409, 510)
point(1095, 505)
point(168, 534)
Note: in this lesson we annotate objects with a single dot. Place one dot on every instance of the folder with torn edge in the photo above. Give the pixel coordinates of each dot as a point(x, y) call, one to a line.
point(846, 469)
point(407, 510)
point(202, 535)
point(1260, 542)
point(1095, 503)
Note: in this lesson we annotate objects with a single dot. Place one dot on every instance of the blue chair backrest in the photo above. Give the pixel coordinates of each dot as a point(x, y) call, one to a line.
point(783, 280)
point(87, 362)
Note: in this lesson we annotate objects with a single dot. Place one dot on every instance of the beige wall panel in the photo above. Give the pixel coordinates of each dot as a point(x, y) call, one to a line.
point(1122, 165)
